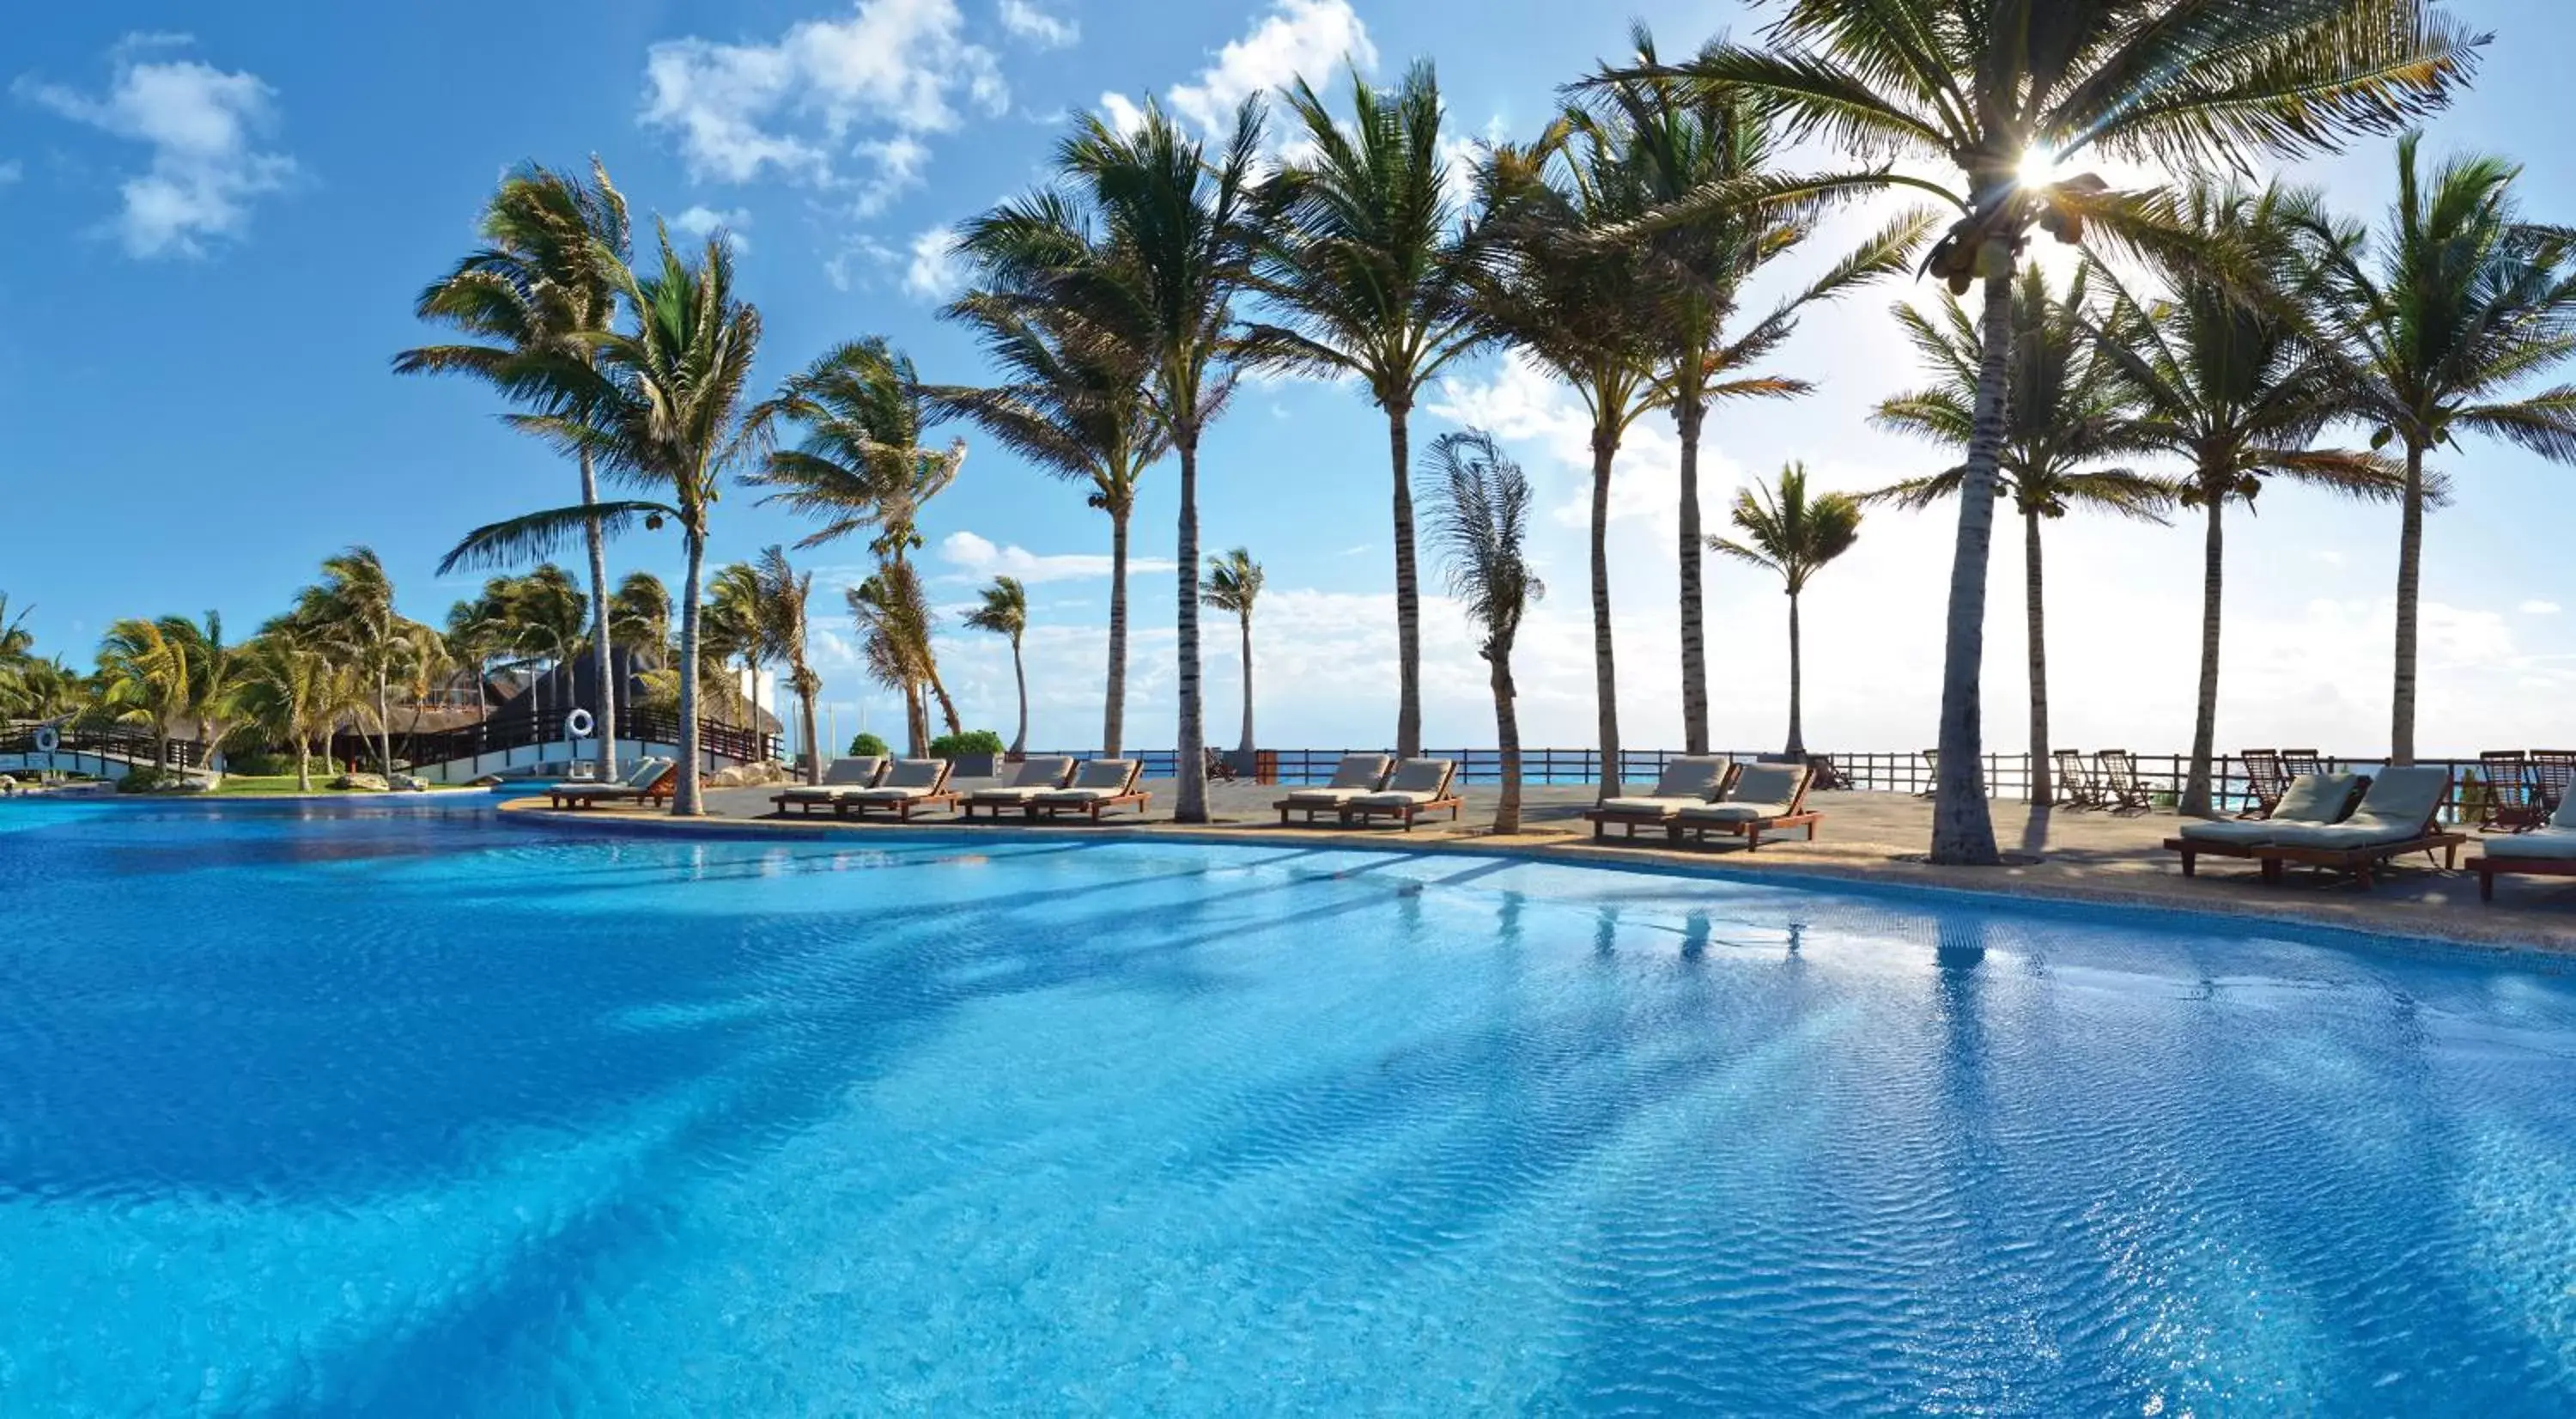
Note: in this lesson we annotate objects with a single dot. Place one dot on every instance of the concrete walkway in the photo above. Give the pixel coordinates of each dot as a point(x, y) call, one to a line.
point(1879, 838)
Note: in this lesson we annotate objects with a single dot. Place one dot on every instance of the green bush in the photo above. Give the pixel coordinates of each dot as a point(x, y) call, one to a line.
point(150, 780)
point(259, 763)
point(866, 744)
point(973, 741)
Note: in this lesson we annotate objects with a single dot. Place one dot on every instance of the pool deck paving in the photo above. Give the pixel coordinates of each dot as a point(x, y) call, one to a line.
point(1866, 838)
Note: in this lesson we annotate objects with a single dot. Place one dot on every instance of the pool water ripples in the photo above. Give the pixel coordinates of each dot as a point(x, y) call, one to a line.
point(408, 1111)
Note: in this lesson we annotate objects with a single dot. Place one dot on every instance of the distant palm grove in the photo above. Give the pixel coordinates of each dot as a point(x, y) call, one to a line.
point(2204, 338)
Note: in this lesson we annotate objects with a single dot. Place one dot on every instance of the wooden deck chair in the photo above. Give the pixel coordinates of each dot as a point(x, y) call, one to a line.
point(2504, 800)
point(1417, 786)
point(909, 787)
point(1034, 776)
point(2075, 787)
point(1220, 766)
point(647, 781)
point(839, 777)
point(2310, 801)
point(2547, 852)
point(2122, 790)
point(1098, 787)
point(2401, 814)
point(2265, 782)
point(1764, 798)
point(2553, 771)
point(1685, 782)
point(2295, 762)
point(1932, 771)
point(1354, 776)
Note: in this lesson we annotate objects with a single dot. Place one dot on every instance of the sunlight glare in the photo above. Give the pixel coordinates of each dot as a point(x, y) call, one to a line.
point(2038, 168)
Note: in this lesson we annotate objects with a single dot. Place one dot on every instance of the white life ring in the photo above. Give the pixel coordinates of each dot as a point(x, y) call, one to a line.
point(579, 724)
point(47, 741)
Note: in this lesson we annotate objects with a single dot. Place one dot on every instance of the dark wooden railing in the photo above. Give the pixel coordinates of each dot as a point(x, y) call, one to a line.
point(132, 745)
point(498, 736)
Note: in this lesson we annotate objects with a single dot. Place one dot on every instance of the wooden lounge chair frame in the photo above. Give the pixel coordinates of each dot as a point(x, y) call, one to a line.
point(1932, 769)
point(1311, 807)
point(2265, 782)
point(1604, 819)
point(1128, 796)
point(939, 796)
point(1408, 812)
point(1220, 766)
point(2553, 771)
point(2075, 786)
point(2121, 788)
point(1752, 829)
point(2508, 802)
point(2490, 868)
point(591, 795)
point(2194, 849)
point(806, 803)
point(993, 807)
point(2295, 762)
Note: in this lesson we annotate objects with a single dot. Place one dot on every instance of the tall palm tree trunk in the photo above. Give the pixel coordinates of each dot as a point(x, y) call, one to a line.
point(1689, 416)
point(1113, 710)
point(385, 725)
point(2042, 791)
point(2410, 567)
point(1408, 596)
point(813, 739)
point(1507, 735)
point(685, 802)
point(916, 720)
point(1246, 751)
point(1020, 676)
point(1190, 743)
point(1963, 827)
point(947, 706)
point(2196, 794)
point(1605, 676)
point(1797, 734)
point(602, 653)
point(303, 764)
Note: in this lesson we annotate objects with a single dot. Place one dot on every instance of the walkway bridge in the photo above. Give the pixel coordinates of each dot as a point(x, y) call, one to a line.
point(510, 745)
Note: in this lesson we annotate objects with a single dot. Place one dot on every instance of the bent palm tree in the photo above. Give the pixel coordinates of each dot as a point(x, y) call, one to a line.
point(661, 405)
point(1175, 244)
point(288, 691)
point(1684, 139)
point(350, 613)
point(784, 592)
point(1793, 536)
point(2231, 382)
point(1233, 584)
point(546, 279)
point(1480, 520)
point(2463, 302)
point(1577, 307)
point(639, 620)
point(1005, 612)
point(2064, 409)
point(1367, 271)
point(1075, 405)
point(1987, 88)
point(895, 631)
point(143, 678)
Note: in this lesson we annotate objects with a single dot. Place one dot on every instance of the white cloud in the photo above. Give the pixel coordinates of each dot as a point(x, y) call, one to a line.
point(1308, 38)
point(700, 222)
point(934, 273)
point(977, 558)
point(2538, 608)
point(201, 124)
point(1026, 21)
point(867, 86)
point(11, 171)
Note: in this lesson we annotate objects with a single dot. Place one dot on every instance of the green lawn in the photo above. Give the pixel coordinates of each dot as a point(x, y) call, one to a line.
point(285, 783)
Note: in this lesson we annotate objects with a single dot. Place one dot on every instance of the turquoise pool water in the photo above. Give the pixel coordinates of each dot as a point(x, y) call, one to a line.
point(411, 1112)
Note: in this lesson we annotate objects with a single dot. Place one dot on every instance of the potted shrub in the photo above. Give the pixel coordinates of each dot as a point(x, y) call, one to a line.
point(977, 753)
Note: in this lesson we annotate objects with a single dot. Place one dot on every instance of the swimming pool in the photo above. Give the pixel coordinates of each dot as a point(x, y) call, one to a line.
point(401, 1110)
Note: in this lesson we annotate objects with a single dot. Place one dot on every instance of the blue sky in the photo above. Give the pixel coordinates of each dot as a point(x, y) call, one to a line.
point(219, 216)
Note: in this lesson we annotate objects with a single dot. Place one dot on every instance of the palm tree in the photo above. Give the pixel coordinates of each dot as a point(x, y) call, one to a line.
point(2462, 301)
point(861, 465)
point(144, 678)
point(1480, 519)
point(2065, 409)
point(784, 592)
point(894, 633)
point(1075, 405)
point(1577, 306)
point(1793, 536)
point(17, 656)
point(210, 668)
point(639, 620)
point(1176, 237)
point(2004, 94)
point(1005, 612)
point(735, 624)
point(661, 405)
point(2232, 382)
point(289, 691)
point(545, 280)
point(1233, 583)
point(350, 615)
point(1682, 139)
point(1367, 269)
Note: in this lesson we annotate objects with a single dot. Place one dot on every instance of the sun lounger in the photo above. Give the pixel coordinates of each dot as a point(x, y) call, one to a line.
point(2545, 852)
point(1098, 787)
point(2400, 814)
point(2121, 789)
point(2311, 800)
point(1764, 798)
point(1685, 783)
point(649, 780)
point(2075, 787)
point(1033, 777)
point(840, 777)
point(1355, 775)
point(911, 786)
point(1417, 786)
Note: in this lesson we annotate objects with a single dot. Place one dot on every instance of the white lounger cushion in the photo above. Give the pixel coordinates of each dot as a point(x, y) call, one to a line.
point(1035, 776)
point(1419, 778)
point(1361, 772)
point(1734, 811)
point(2315, 798)
point(2565, 817)
point(2347, 837)
point(1325, 796)
point(1768, 785)
point(1098, 779)
point(2551, 844)
point(1394, 799)
point(2239, 833)
point(2399, 804)
point(910, 778)
point(1657, 807)
point(1691, 778)
point(840, 777)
